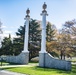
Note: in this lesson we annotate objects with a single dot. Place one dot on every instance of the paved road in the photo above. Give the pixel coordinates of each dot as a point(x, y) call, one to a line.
point(3, 72)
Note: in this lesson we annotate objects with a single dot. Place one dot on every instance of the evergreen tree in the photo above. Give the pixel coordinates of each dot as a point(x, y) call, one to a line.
point(49, 32)
point(17, 45)
point(7, 46)
point(34, 31)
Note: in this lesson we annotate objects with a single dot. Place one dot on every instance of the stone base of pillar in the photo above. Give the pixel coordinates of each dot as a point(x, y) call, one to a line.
point(22, 58)
point(46, 60)
point(42, 59)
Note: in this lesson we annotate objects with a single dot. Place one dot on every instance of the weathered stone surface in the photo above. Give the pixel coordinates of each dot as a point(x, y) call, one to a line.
point(22, 58)
point(46, 60)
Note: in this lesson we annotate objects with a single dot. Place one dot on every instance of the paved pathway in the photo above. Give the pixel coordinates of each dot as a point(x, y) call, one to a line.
point(3, 72)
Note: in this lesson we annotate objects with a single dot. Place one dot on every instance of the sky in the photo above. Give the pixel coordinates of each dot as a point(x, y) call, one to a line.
point(13, 12)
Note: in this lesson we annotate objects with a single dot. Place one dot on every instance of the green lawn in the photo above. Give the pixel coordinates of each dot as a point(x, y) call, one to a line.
point(41, 71)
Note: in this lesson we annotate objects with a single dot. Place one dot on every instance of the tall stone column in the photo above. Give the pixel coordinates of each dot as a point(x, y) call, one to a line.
point(23, 57)
point(27, 18)
point(25, 53)
point(43, 39)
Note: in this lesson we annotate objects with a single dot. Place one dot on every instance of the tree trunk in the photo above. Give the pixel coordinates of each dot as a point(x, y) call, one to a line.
point(61, 54)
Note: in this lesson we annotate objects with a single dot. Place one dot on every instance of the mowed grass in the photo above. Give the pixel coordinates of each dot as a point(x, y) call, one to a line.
point(34, 70)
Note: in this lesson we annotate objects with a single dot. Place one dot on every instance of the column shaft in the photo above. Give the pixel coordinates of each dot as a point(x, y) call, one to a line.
point(43, 39)
point(26, 35)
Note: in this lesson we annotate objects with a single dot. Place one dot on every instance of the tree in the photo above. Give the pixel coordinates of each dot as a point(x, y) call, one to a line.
point(21, 32)
point(70, 28)
point(17, 45)
point(52, 48)
point(49, 32)
point(34, 31)
point(7, 46)
point(34, 38)
point(50, 38)
point(65, 44)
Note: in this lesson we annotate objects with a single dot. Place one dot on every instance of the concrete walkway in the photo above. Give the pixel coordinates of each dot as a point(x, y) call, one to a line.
point(3, 72)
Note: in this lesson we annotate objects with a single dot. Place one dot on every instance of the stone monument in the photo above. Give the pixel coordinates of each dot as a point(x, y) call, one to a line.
point(22, 58)
point(43, 39)
point(45, 59)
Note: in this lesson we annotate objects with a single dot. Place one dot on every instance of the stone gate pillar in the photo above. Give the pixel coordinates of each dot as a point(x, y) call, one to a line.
point(23, 57)
point(27, 18)
point(43, 39)
point(45, 59)
point(25, 52)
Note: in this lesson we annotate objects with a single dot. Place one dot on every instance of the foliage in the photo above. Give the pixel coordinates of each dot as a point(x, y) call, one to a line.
point(69, 27)
point(65, 40)
point(52, 48)
point(34, 31)
point(51, 42)
point(34, 51)
point(64, 45)
point(17, 45)
point(49, 32)
point(6, 48)
point(21, 31)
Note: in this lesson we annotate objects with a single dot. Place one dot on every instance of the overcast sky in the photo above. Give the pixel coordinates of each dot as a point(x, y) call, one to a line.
point(12, 12)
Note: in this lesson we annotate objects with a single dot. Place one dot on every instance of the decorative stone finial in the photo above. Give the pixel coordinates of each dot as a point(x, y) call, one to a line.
point(27, 12)
point(44, 6)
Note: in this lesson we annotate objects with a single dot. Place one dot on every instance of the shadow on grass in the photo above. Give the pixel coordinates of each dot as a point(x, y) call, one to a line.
point(14, 64)
point(7, 63)
point(6, 68)
point(72, 72)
